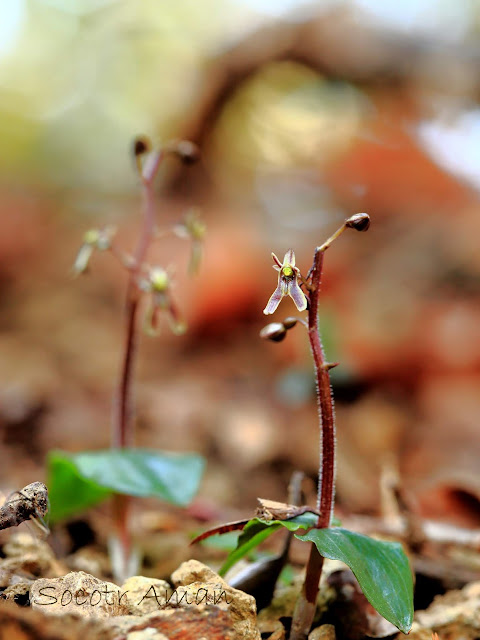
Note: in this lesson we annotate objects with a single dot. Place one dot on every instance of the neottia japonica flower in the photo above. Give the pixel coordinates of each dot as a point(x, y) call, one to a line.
point(288, 277)
point(158, 285)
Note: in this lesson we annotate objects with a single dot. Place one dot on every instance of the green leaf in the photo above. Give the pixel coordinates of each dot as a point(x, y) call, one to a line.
point(222, 541)
point(69, 493)
point(304, 521)
point(254, 532)
point(136, 472)
point(381, 568)
point(287, 575)
point(173, 477)
point(257, 530)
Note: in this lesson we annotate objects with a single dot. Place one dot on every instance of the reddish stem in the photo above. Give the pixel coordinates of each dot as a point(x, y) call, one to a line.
point(326, 472)
point(122, 422)
point(122, 435)
point(306, 605)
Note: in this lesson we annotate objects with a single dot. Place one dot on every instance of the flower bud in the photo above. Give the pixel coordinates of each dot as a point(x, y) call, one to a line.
point(185, 150)
point(359, 221)
point(141, 145)
point(274, 331)
point(188, 152)
point(289, 322)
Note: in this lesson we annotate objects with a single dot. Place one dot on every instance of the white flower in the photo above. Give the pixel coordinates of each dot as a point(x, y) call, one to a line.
point(288, 276)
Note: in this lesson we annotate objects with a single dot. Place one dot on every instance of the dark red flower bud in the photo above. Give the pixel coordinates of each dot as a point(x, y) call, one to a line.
point(274, 331)
point(186, 151)
point(289, 322)
point(141, 145)
point(359, 221)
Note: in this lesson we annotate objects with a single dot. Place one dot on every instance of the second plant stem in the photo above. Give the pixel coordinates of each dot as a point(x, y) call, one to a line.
point(122, 419)
point(306, 605)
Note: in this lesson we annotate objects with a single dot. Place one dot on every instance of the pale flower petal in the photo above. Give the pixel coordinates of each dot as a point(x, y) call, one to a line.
point(275, 298)
point(289, 258)
point(151, 325)
point(297, 295)
point(277, 261)
point(82, 259)
point(177, 323)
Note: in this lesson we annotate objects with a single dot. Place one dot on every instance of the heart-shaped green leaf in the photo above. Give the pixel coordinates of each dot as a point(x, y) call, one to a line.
point(381, 568)
point(68, 492)
point(173, 477)
point(136, 472)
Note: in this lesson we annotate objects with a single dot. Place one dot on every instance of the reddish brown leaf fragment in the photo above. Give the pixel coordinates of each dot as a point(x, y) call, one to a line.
point(223, 528)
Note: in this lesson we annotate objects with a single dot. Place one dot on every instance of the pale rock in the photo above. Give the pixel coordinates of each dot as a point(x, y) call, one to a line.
point(79, 593)
point(323, 632)
point(455, 614)
point(145, 595)
point(26, 553)
point(146, 634)
point(18, 592)
point(417, 632)
point(196, 584)
point(90, 560)
point(24, 623)
point(195, 571)
point(273, 627)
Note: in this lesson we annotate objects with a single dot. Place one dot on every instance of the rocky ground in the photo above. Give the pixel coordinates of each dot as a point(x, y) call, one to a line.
point(42, 599)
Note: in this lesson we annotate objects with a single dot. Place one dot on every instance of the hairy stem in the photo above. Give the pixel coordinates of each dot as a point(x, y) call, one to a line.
point(122, 435)
point(326, 471)
point(122, 419)
point(305, 608)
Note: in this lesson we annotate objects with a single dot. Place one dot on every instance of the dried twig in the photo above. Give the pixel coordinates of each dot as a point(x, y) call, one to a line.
point(30, 503)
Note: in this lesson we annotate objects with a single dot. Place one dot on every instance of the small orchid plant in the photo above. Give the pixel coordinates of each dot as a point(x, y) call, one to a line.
point(381, 568)
point(77, 481)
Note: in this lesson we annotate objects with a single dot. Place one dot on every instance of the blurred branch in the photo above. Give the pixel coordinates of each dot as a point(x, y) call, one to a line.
point(336, 44)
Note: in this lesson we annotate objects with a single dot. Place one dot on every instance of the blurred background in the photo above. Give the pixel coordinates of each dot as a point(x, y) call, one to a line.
point(304, 113)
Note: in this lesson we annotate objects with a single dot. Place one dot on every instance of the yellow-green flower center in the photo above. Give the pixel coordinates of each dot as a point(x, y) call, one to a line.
point(159, 279)
point(287, 271)
point(91, 236)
